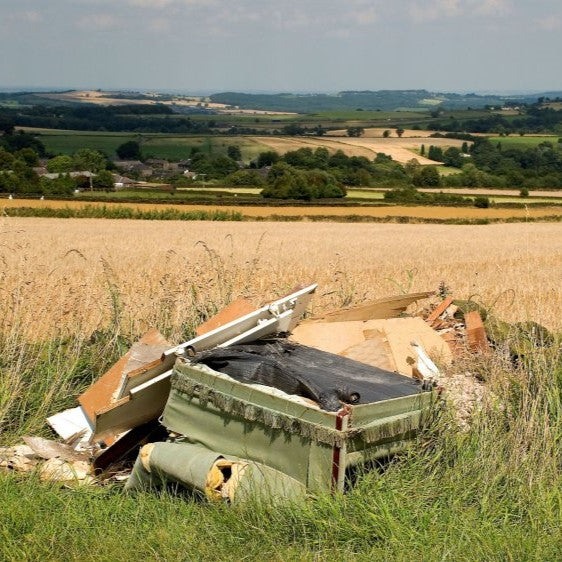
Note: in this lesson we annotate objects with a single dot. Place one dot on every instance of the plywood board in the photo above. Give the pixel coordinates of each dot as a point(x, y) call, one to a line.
point(144, 403)
point(374, 351)
point(110, 386)
point(389, 307)
point(397, 333)
point(475, 332)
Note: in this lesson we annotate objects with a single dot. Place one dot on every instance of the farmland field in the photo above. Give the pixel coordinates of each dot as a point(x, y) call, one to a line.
point(75, 293)
point(352, 263)
point(401, 149)
point(527, 141)
point(173, 147)
point(421, 212)
point(179, 146)
point(496, 195)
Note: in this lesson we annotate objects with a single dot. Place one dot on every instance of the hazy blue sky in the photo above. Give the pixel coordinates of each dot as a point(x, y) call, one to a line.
point(282, 45)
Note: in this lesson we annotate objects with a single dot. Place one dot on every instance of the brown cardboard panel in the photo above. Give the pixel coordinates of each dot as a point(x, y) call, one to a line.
point(102, 392)
point(236, 309)
point(331, 337)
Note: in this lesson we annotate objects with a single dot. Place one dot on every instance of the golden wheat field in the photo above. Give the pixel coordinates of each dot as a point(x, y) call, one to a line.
point(400, 149)
point(73, 276)
point(381, 211)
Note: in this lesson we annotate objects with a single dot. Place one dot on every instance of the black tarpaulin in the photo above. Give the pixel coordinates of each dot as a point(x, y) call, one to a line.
point(326, 378)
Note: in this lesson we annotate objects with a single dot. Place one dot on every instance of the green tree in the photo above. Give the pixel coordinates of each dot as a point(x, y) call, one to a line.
point(28, 155)
point(222, 166)
point(104, 180)
point(435, 153)
point(129, 150)
point(91, 160)
point(286, 182)
point(400, 131)
point(412, 167)
point(10, 183)
point(386, 133)
point(427, 176)
point(422, 150)
point(234, 152)
point(324, 185)
point(245, 177)
point(63, 185)
point(267, 158)
point(6, 159)
point(452, 157)
point(60, 164)
point(355, 131)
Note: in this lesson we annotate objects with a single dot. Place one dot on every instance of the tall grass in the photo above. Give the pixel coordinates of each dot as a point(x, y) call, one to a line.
point(121, 212)
point(492, 492)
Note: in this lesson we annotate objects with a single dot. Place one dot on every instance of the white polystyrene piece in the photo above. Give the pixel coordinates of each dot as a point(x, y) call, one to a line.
point(71, 422)
point(427, 368)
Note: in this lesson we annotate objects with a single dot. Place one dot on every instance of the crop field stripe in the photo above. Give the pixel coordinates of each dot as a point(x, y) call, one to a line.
point(421, 212)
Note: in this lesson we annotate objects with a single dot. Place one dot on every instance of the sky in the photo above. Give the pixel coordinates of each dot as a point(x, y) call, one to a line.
point(282, 45)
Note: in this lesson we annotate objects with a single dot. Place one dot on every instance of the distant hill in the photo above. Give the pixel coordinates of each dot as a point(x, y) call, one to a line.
point(385, 100)
point(368, 100)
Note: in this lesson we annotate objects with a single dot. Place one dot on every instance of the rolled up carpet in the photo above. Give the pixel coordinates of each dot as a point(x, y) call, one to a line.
point(210, 474)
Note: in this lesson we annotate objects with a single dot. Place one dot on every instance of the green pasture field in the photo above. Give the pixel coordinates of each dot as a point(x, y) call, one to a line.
point(186, 194)
point(526, 141)
point(173, 147)
point(68, 142)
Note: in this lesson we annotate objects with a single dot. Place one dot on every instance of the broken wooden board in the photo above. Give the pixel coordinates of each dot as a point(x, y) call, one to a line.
point(475, 332)
point(439, 310)
point(235, 310)
point(126, 448)
point(389, 307)
point(452, 342)
point(144, 403)
point(398, 333)
point(141, 362)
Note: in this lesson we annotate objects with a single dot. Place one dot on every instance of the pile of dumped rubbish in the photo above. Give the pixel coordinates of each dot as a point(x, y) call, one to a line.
point(261, 400)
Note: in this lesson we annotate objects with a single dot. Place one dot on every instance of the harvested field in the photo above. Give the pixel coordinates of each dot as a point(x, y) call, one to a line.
point(75, 276)
point(377, 132)
point(541, 193)
point(401, 149)
point(422, 212)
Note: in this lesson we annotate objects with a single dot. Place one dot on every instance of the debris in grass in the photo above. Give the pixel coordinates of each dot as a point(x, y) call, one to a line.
point(237, 407)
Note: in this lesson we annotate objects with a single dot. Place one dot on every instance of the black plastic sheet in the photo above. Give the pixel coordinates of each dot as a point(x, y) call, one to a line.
point(326, 378)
